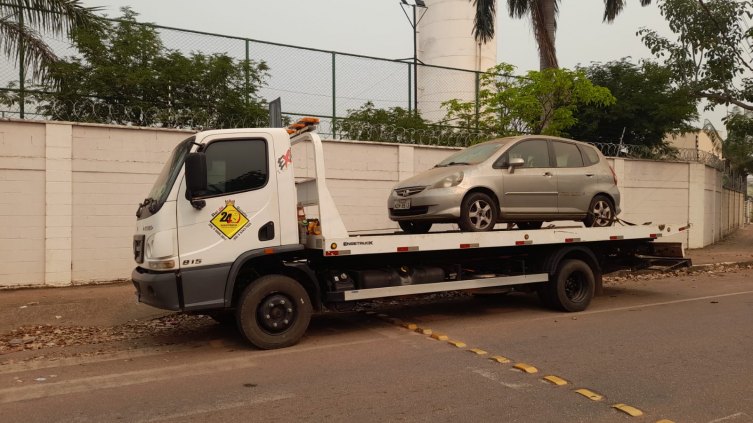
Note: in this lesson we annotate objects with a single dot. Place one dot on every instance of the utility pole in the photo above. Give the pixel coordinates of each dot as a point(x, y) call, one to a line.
point(419, 4)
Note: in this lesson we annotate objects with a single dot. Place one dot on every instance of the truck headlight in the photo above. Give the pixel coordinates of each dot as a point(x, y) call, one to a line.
point(450, 181)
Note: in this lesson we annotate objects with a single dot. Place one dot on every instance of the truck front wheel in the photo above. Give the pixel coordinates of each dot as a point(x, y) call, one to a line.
point(274, 312)
point(572, 286)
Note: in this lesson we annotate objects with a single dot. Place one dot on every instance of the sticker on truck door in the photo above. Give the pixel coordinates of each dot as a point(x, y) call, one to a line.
point(229, 221)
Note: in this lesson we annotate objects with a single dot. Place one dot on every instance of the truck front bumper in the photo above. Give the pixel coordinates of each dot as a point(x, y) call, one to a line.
point(157, 289)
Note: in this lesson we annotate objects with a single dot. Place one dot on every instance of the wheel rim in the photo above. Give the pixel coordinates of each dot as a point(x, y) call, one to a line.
point(480, 214)
point(276, 313)
point(602, 212)
point(576, 287)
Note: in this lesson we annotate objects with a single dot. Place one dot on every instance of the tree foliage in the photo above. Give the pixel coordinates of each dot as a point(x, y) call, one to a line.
point(24, 21)
point(369, 123)
point(541, 102)
point(648, 105)
point(125, 75)
point(738, 147)
point(710, 53)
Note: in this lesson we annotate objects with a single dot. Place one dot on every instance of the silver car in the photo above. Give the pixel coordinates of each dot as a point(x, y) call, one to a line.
point(526, 180)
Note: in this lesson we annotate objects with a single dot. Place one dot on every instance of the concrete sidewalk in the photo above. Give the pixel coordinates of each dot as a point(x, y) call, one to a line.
point(114, 304)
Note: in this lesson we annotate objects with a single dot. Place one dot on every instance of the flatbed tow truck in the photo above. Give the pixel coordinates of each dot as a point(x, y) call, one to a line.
point(224, 233)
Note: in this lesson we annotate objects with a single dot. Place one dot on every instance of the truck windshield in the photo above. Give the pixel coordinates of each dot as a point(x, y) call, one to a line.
point(169, 173)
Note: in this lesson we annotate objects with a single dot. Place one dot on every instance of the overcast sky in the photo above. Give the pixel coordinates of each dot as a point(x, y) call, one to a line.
point(379, 28)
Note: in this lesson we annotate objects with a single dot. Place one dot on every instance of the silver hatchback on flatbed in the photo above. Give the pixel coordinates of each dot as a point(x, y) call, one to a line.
point(525, 180)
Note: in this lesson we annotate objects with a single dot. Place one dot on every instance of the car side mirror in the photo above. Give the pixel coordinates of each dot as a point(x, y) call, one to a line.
point(516, 162)
point(196, 178)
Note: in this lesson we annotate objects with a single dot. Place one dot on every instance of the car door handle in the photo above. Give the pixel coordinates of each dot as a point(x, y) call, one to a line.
point(589, 174)
point(547, 173)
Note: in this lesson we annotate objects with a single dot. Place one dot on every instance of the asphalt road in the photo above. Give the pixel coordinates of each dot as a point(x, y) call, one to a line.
point(676, 348)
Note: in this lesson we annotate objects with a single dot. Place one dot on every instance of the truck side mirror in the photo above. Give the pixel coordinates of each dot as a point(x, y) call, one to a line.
point(196, 178)
point(516, 162)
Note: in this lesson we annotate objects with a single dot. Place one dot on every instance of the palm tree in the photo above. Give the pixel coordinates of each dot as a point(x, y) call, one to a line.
point(23, 23)
point(543, 19)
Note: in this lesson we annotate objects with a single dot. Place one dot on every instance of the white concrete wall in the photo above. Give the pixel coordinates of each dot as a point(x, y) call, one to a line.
point(69, 194)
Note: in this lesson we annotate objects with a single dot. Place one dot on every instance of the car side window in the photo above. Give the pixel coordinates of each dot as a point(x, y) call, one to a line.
point(567, 154)
point(237, 165)
point(534, 153)
point(590, 156)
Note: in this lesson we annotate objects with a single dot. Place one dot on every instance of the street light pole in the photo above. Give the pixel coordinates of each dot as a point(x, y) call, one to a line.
point(414, 25)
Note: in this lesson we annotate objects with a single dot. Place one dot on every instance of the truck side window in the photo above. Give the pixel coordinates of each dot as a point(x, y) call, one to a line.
point(236, 165)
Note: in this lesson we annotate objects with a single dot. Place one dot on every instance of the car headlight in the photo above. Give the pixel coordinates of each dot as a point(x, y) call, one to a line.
point(450, 181)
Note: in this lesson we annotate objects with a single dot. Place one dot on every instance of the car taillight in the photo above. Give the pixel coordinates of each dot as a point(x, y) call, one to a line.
point(614, 175)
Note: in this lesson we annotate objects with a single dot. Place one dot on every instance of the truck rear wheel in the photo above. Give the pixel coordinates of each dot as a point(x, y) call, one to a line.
point(274, 312)
point(571, 288)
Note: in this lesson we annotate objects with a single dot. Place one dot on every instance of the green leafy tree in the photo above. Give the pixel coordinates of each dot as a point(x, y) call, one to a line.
point(738, 147)
point(369, 123)
point(23, 22)
point(541, 102)
point(543, 15)
point(125, 75)
point(648, 105)
point(710, 53)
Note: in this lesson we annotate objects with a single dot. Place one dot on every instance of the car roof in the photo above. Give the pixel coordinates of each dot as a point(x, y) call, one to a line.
point(506, 140)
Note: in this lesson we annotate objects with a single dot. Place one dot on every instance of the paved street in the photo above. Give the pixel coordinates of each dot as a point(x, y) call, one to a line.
point(674, 348)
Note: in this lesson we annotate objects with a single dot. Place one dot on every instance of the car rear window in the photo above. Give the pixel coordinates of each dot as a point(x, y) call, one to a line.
point(567, 155)
point(590, 156)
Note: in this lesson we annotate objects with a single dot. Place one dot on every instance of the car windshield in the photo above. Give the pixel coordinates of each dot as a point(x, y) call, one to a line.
point(472, 155)
point(169, 173)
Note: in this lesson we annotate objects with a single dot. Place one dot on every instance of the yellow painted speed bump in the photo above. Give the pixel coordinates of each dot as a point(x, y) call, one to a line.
point(458, 344)
point(665, 421)
point(499, 359)
point(477, 351)
point(593, 396)
point(424, 331)
point(526, 368)
point(555, 380)
point(410, 326)
point(632, 411)
point(439, 337)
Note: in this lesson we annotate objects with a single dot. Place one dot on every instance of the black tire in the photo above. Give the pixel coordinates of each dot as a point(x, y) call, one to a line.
point(571, 288)
point(414, 227)
point(600, 212)
point(274, 312)
point(530, 225)
point(478, 213)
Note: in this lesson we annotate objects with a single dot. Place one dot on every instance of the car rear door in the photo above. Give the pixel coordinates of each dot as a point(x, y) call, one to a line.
point(574, 179)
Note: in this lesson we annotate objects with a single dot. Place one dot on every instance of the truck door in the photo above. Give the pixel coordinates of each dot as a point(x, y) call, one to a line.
point(241, 214)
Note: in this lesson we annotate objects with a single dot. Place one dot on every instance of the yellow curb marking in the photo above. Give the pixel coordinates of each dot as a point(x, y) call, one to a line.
point(424, 331)
point(526, 368)
point(593, 396)
point(458, 344)
point(499, 359)
point(555, 380)
point(628, 410)
point(410, 326)
point(439, 337)
point(477, 351)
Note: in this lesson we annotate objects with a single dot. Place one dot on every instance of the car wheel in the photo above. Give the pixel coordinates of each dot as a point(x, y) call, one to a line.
point(600, 212)
point(477, 213)
point(529, 225)
point(414, 227)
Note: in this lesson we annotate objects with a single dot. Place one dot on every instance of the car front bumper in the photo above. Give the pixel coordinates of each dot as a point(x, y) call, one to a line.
point(438, 204)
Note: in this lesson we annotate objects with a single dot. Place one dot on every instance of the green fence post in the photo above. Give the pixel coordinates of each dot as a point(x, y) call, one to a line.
point(478, 101)
point(410, 89)
point(247, 70)
point(21, 72)
point(334, 100)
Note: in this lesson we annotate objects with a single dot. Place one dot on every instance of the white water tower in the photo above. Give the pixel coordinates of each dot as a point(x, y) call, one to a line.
point(445, 39)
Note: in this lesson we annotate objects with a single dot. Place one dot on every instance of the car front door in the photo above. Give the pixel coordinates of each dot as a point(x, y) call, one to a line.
point(529, 190)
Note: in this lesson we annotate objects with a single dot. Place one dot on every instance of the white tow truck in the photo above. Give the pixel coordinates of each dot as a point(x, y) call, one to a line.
point(223, 233)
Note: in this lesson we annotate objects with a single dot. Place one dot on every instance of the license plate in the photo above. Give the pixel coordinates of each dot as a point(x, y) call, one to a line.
point(403, 204)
